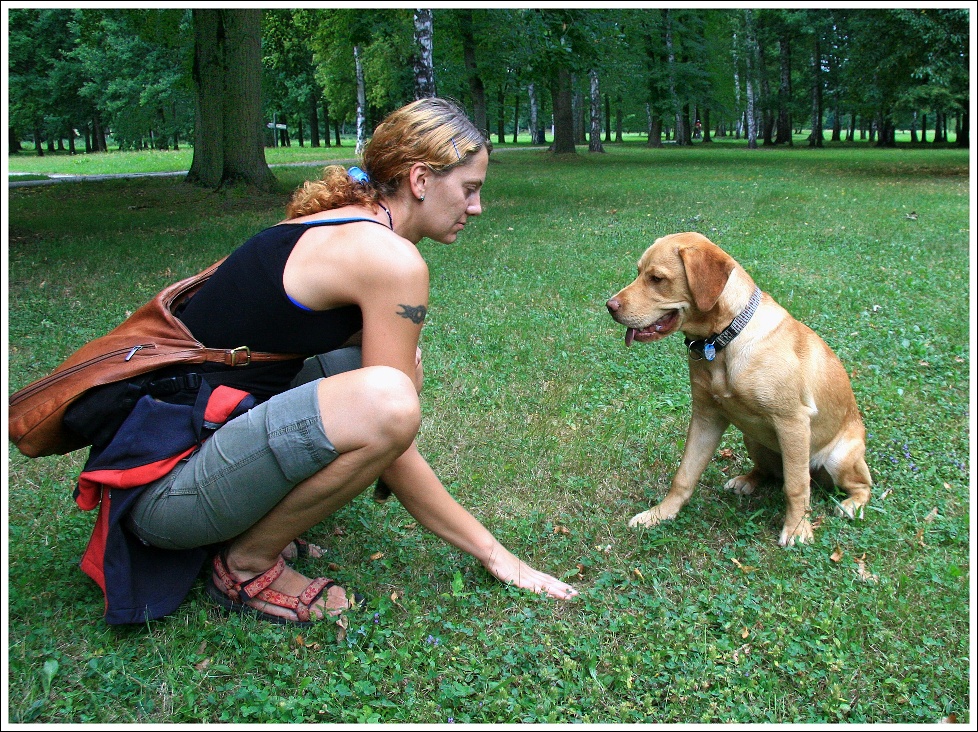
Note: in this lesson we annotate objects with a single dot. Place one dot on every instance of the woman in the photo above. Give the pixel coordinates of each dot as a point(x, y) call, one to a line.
point(343, 265)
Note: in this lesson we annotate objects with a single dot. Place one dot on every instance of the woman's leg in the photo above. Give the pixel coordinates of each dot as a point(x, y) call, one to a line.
point(371, 416)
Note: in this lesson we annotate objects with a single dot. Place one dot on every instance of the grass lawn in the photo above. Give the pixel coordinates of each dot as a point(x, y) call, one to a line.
point(540, 421)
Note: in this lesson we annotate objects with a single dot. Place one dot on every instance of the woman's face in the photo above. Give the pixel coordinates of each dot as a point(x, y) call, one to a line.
point(452, 198)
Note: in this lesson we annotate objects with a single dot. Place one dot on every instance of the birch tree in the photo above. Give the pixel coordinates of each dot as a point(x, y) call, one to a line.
point(361, 102)
point(424, 69)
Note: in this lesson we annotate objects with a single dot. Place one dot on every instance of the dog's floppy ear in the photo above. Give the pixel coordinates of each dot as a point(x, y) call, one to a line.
point(707, 271)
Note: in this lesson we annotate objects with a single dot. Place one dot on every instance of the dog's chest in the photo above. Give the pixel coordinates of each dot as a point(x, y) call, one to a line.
point(714, 382)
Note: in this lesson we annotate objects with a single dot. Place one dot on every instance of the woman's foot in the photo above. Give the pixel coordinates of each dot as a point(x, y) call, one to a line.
point(300, 548)
point(279, 594)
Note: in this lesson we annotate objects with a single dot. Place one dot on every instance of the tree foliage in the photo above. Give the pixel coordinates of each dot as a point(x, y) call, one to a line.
point(82, 72)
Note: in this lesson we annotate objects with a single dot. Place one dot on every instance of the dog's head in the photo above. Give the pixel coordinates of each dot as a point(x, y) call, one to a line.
point(680, 279)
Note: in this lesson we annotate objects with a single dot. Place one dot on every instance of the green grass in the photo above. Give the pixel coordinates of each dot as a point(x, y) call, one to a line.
point(552, 433)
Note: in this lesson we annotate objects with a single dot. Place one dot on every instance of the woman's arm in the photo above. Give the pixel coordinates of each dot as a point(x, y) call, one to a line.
point(421, 493)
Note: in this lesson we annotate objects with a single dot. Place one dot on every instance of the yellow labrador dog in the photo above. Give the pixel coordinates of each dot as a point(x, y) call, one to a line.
point(751, 364)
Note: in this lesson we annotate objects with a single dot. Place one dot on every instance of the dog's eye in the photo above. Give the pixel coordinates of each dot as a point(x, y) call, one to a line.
point(655, 279)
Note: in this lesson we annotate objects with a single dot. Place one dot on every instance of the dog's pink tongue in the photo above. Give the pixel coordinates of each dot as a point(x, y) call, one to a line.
point(629, 336)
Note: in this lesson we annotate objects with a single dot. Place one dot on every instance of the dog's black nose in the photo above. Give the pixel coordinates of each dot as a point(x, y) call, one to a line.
point(613, 305)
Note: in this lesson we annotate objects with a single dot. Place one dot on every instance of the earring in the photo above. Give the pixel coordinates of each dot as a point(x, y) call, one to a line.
point(421, 198)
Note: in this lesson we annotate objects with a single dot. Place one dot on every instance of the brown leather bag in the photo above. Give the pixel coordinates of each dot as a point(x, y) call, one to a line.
point(151, 338)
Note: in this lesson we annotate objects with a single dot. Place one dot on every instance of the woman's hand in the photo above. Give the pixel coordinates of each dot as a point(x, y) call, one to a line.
point(505, 567)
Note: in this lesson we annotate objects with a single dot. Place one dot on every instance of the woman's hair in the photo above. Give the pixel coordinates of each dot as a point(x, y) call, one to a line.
point(432, 131)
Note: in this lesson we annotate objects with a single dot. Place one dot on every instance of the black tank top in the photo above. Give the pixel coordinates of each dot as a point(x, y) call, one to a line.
point(244, 303)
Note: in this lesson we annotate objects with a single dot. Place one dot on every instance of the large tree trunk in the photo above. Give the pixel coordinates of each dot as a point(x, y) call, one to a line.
point(424, 69)
point(594, 144)
point(476, 88)
point(560, 91)
point(228, 144)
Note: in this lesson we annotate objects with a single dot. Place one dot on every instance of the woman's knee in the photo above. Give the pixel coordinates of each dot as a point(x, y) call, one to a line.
point(386, 403)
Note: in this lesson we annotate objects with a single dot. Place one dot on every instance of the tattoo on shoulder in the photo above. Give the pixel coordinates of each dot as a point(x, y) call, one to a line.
point(415, 314)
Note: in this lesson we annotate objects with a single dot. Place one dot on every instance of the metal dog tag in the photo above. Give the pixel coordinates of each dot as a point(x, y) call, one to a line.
point(709, 351)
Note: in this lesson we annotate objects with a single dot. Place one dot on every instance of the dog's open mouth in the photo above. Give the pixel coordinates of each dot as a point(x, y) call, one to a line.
point(659, 329)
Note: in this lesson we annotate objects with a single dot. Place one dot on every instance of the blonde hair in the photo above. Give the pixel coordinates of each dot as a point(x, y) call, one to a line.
point(432, 131)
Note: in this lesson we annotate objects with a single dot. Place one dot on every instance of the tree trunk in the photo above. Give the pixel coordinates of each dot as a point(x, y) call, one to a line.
point(594, 144)
point(671, 65)
point(501, 115)
point(314, 121)
point(228, 145)
point(619, 120)
point(964, 136)
point(361, 103)
point(326, 141)
point(424, 69)
point(655, 127)
point(750, 60)
point(783, 136)
point(516, 116)
point(537, 136)
point(817, 138)
point(560, 91)
point(706, 126)
point(476, 88)
point(736, 75)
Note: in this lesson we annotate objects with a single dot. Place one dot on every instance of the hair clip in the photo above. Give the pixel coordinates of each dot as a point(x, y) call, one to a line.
point(357, 175)
point(456, 150)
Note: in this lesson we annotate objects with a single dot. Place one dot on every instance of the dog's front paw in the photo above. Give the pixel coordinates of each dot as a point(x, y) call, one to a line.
point(652, 517)
point(800, 531)
point(742, 485)
point(646, 518)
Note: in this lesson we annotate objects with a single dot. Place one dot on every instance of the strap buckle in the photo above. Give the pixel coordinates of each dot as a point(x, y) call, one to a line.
point(232, 356)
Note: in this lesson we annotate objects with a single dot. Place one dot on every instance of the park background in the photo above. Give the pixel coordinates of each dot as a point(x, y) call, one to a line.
point(535, 415)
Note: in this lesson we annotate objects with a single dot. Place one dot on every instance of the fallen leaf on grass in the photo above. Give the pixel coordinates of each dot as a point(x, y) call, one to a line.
point(743, 567)
point(837, 554)
point(864, 574)
point(744, 633)
point(726, 454)
point(561, 530)
point(342, 623)
point(376, 555)
point(638, 573)
point(202, 666)
point(931, 516)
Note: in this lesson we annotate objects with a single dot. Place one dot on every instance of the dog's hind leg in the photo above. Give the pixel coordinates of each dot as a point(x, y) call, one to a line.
point(848, 469)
